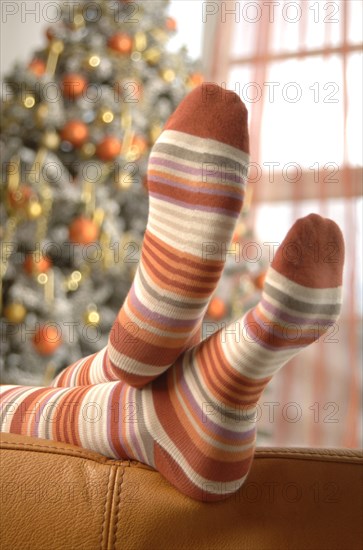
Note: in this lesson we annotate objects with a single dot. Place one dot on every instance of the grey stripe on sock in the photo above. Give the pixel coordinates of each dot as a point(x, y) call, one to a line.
point(297, 305)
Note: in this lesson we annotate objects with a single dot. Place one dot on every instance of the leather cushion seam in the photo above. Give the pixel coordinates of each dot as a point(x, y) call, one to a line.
point(258, 454)
point(117, 511)
point(69, 452)
point(105, 509)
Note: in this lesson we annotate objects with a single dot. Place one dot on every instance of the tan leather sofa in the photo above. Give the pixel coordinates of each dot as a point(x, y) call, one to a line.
point(57, 496)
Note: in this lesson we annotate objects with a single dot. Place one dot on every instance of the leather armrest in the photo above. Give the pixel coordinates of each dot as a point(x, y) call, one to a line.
point(57, 496)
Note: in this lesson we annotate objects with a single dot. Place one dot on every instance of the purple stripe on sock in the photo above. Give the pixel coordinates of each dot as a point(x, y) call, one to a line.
point(230, 213)
point(235, 178)
point(263, 344)
point(193, 189)
point(148, 314)
point(217, 428)
point(291, 319)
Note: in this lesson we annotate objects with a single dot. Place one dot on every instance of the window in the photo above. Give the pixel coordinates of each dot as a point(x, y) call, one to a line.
point(298, 67)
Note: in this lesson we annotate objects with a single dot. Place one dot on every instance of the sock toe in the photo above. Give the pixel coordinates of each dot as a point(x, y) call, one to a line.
point(212, 112)
point(312, 253)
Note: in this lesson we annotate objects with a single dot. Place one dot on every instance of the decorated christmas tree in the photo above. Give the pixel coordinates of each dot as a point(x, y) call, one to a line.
point(78, 123)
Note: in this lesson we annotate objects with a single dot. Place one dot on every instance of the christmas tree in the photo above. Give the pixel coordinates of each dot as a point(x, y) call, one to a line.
point(77, 126)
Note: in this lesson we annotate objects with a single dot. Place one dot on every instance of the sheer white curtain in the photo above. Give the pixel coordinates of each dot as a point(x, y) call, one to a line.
point(297, 66)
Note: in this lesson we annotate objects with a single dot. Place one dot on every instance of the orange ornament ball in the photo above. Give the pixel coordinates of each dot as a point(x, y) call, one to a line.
point(37, 67)
point(196, 79)
point(47, 339)
point(236, 237)
point(140, 143)
point(259, 280)
point(109, 148)
point(170, 24)
point(217, 309)
point(121, 43)
point(19, 198)
point(35, 264)
point(83, 231)
point(76, 132)
point(73, 85)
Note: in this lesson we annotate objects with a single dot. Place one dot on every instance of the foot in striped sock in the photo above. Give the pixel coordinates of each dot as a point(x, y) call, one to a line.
point(202, 412)
point(196, 423)
point(196, 177)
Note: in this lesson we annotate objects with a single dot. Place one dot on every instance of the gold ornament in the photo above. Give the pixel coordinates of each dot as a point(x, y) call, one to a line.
point(51, 140)
point(92, 318)
point(168, 75)
point(41, 114)
point(140, 41)
point(74, 281)
point(29, 101)
point(106, 116)
point(152, 56)
point(88, 150)
point(94, 61)
point(15, 312)
point(76, 276)
point(78, 21)
point(72, 286)
point(123, 180)
point(34, 210)
point(42, 278)
point(160, 35)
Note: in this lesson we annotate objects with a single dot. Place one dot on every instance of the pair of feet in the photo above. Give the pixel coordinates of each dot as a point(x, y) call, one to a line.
point(156, 393)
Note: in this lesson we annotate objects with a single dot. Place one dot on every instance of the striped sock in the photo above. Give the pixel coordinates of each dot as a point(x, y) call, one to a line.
point(196, 423)
point(196, 177)
point(203, 410)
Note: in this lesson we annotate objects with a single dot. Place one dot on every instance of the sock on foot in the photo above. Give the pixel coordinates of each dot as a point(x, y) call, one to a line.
point(196, 423)
point(202, 412)
point(196, 178)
